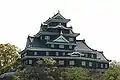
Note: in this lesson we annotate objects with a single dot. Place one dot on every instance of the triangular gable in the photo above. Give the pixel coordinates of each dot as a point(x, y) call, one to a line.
point(61, 39)
point(58, 16)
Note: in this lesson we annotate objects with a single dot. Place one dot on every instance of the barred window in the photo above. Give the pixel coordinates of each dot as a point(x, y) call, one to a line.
point(106, 65)
point(71, 39)
point(35, 53)
point(47, 53)
point(70, 47)
point(61, 46)
point(90, 63)
point(61, 62)
point(52, 45)
point(30, 62)
point(57, 53)
point(47, 37)
point(101, 65)
point(72, 62)
point(63, 53)
point(83, 63)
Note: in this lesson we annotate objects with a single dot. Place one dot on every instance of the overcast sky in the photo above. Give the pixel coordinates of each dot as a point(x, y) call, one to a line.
point(97, 21)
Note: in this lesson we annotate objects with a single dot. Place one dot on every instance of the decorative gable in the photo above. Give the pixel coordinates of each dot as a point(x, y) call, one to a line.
point(58, 16)
point(61, 39)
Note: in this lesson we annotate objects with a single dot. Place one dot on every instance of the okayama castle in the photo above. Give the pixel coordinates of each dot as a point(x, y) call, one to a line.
point(58, 41)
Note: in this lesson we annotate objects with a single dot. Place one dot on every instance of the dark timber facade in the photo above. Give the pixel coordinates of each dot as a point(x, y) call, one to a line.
point(58, 41)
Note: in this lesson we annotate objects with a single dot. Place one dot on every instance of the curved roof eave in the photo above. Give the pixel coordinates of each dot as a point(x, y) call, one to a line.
point(95, 50)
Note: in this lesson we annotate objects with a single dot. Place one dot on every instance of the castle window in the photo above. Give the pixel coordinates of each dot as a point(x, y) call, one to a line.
point(106, 66)
point(61, 46)
point(47, 37)
point(47, 53)
point(61, 62)
point(92, 56)
point(83, 63)
point(72, 62)
point(101, 65)
point(30, 62)
point(41, 37)
point(52, 45)
point(71, 39)
point(70, 47)
point(86, 55)
point(35, 53)
point(57, 53)
point(90, 63)
point(63, 53)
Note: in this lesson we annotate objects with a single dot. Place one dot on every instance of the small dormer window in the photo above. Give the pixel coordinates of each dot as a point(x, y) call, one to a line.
point(61, 46)
point(71, 39)
point(47, 37)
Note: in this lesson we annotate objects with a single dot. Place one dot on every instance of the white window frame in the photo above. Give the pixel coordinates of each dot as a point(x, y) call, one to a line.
point(61, 62)
point(35, 53)
point(57, 53)
point(101, 65)
point(70, 46)
point(61, 46)
point(47, 53)
point(71, 62)
point(41, 37)
point(63, 53)
point(71, 39)
point(90, 63)
point(92, 56)
point(47, 37)
point(83, 63)
point(30, 62)
point(52, 45)
point(106, 65)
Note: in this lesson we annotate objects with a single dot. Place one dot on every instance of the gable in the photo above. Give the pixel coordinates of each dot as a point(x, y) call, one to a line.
point(61, 39)
point(58, 16)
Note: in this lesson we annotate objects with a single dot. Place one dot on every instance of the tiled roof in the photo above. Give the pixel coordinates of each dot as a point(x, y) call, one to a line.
point(62, 57)
point(53, 33)
point(57, 18)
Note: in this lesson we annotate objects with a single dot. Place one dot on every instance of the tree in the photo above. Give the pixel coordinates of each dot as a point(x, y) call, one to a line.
point(37, 72)
point(8, 56)
point(113, 73)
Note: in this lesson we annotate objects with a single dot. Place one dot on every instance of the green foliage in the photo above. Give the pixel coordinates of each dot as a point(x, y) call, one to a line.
point(49, 61)
point(69, 73)
point(113, 73)
point(8, 56)
point(74, 73)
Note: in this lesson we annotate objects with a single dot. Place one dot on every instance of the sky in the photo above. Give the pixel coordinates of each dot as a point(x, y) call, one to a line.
point(97, 21)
